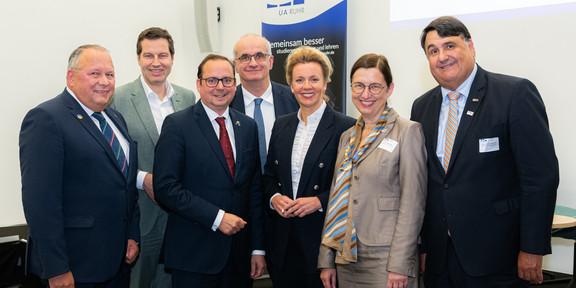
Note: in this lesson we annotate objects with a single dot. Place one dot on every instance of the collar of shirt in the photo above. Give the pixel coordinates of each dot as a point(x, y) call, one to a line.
point(159, 108)
point(212, 117)
point(314, 117)
point(249, 98)
point(464, 88)
point(302, 139)
point(152, 96)
point(86, 109)
point(123, 141)
point(267, 108)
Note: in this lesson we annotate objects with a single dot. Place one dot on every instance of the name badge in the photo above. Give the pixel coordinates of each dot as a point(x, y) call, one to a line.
point(388, 144)
point(489, 145)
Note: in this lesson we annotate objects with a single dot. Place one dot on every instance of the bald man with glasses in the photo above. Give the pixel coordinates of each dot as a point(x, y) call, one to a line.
point(253, 61)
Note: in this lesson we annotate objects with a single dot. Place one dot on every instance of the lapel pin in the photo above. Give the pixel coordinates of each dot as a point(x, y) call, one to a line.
point(238, 123)
point(470, 113)
point(475, 99)
point(80, 116)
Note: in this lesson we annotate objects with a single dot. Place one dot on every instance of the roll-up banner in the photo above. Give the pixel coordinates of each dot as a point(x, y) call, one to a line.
point(317, 23)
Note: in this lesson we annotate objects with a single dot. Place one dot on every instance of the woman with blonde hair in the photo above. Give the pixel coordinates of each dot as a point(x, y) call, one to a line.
point(299, 169)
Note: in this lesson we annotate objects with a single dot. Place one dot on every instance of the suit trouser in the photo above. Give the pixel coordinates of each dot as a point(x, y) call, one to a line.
point(120, 280)
point(454, 276)
point(229, 277)
point(147, 271)
point(295, 272)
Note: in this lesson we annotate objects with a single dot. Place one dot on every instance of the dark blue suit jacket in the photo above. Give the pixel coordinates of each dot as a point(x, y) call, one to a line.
point(284, 100)
point(315, 181)
point(494, 203)
point(192, 179)
point(80, 209)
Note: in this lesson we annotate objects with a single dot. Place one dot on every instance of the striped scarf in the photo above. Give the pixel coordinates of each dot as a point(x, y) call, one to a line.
point(339, 231)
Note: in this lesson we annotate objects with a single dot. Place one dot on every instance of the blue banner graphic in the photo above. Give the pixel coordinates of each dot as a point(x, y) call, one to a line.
point(320, 24)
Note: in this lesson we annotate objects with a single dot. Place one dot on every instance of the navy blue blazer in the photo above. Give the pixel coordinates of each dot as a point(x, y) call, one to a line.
point(315, 181)
point(80, 209)
point(494, 203)
point(192, 180)
point(284, 100)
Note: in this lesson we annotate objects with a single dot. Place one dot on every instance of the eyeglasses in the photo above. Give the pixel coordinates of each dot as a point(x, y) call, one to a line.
point(259, 57)
point(212, 82)
point(373, 88)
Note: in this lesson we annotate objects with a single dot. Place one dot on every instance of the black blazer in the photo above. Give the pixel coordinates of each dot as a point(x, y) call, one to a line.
point(494, 203)
point(192, 179)
point(80, 208)
point(315, 180)
point(284, 100)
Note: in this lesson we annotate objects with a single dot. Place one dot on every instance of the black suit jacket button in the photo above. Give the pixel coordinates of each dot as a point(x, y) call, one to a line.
point(316, 187)
point(321, 165)
point(279, 184)
point(443, 217)
point(446, 186)
point(276, 162)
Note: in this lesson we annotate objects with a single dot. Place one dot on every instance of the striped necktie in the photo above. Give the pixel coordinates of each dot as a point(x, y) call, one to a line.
point(114, 143)
point(451, 128)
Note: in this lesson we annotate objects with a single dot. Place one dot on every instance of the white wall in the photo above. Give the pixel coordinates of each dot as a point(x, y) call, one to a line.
point(39, 35)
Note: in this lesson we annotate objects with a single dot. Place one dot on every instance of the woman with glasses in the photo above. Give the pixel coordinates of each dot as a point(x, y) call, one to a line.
point(377, 200)
point(299, 169)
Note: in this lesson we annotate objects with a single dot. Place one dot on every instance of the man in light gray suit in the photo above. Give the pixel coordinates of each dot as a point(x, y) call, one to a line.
point(145, 103)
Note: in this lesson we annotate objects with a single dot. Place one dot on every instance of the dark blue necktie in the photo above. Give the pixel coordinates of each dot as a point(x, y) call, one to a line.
point(261, 132)
point(114, 143)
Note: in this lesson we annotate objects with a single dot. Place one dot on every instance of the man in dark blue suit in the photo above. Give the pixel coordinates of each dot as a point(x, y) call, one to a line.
point(493, 172)
point(253, 62)
point(207, 174)
point(78, 191)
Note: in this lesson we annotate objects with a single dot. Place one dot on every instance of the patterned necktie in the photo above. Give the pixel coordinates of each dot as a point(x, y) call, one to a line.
point(226, 145)
point(114, 143)
point(451, 128)
point(261, 132)
point(339, 229)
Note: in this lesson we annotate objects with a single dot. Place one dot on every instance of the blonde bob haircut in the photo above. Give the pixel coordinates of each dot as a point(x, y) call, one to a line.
point(307, 54)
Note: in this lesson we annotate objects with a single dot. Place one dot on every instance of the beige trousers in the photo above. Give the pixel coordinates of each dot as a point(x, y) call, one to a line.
point(369, 271)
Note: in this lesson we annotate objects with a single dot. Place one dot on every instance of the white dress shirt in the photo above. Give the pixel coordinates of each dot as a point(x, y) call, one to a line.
point(160, 109)
point(304, 134)
point(267, 108)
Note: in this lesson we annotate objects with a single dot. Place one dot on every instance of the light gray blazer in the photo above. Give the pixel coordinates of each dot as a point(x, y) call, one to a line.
point(388, 193)
point(131, 101)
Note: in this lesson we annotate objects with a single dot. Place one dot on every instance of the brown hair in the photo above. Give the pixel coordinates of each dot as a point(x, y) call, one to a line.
point(211, 57)
point(373, 61)
point(154, 33)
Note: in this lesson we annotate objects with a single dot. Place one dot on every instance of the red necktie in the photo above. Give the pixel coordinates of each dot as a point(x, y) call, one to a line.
point(226, 145)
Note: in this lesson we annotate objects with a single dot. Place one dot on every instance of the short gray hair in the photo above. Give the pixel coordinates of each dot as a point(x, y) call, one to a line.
point(268, 48)
point(73, 59)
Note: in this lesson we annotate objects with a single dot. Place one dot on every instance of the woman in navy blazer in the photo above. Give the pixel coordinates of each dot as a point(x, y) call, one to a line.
point(299, 171)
